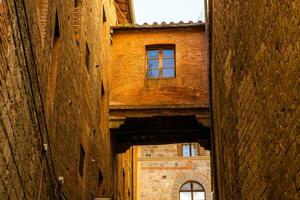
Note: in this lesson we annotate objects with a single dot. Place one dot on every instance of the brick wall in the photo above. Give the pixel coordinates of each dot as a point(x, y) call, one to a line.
point(77, 114)
point(129, 83)
point(160, 174)
point(124, 175)
point(19, 161)
point(158, 151)
point(255, 98)
point(49, 95)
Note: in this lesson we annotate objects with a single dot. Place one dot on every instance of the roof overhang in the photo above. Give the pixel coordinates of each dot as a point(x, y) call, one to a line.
point(180, 25)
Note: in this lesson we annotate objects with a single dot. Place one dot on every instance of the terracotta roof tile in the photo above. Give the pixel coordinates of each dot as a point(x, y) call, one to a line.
point(161, 25)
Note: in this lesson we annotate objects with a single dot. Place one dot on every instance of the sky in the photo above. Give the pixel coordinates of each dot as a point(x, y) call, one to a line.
point(168, 10)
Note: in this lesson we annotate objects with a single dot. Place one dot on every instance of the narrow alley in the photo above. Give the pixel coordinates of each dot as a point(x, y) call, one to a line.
point(96, 105)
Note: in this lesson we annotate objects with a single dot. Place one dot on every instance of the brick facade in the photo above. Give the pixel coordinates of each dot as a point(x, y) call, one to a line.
point(54, 89)
point(130, 87)
point(254, 56)
point(141, 96)
point(56, 62)
point(161, 172)
point(20, 143)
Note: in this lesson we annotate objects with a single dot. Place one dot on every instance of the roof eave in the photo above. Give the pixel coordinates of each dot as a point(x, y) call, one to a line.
point(165, 26)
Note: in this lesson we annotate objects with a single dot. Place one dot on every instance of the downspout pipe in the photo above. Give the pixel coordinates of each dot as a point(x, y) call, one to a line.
point(132, 175)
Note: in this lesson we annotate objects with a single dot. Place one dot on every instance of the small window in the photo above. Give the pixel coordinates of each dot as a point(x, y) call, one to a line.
point(87, 56)
point(81, 161)
point(100, 183)
point(192, 191)
point(124, 184)
point(189, 150)
point(104, 15)
point(128, 194)
point(161, 61)
point(56, 29)
point(77, 3)
point(102, 89)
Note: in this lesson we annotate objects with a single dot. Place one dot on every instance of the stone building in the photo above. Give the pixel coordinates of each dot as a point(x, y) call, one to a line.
point(254, 68)
point(159, 95)
point(159, 90)
point(67, 110)
point(163, 171)
point(54, 92)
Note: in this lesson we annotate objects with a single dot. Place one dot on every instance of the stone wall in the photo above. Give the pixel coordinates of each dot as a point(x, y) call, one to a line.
point(161, 175)
point(130, 87)
point(124, 175)
point(20, 136)
point(255, 98)
point(54, 89)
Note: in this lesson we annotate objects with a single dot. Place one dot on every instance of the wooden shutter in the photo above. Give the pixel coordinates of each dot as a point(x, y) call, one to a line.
point(179, 149)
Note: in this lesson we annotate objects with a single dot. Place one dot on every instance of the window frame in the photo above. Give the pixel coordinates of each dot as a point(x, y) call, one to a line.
point(160, 48)
point(192, 146)
point(191, 191)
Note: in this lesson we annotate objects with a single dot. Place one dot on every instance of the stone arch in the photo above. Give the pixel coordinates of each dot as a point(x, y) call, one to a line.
point(184, 177)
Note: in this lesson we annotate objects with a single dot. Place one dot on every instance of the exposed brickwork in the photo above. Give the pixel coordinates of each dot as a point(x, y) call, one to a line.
point(255, 98)
point(159, 151)
point(48, 95)
point(124, 176)
point(77, 18)
point(129, 83)
point(131, 89)
point(20, 147)
point(55, 64)
point(161, 172)
point(43, 6)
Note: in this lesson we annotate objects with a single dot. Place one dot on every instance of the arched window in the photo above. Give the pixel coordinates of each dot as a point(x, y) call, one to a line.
point(191, 191)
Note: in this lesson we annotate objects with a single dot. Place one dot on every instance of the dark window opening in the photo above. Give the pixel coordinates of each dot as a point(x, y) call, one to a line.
point(129, 194)
point(81, 161)
point(77, 3)
point(104, 15)
point(56, 29)
point(87, 56)
point(100, 183)
point(124, 184)
point(102, 89)
point(161, 61)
